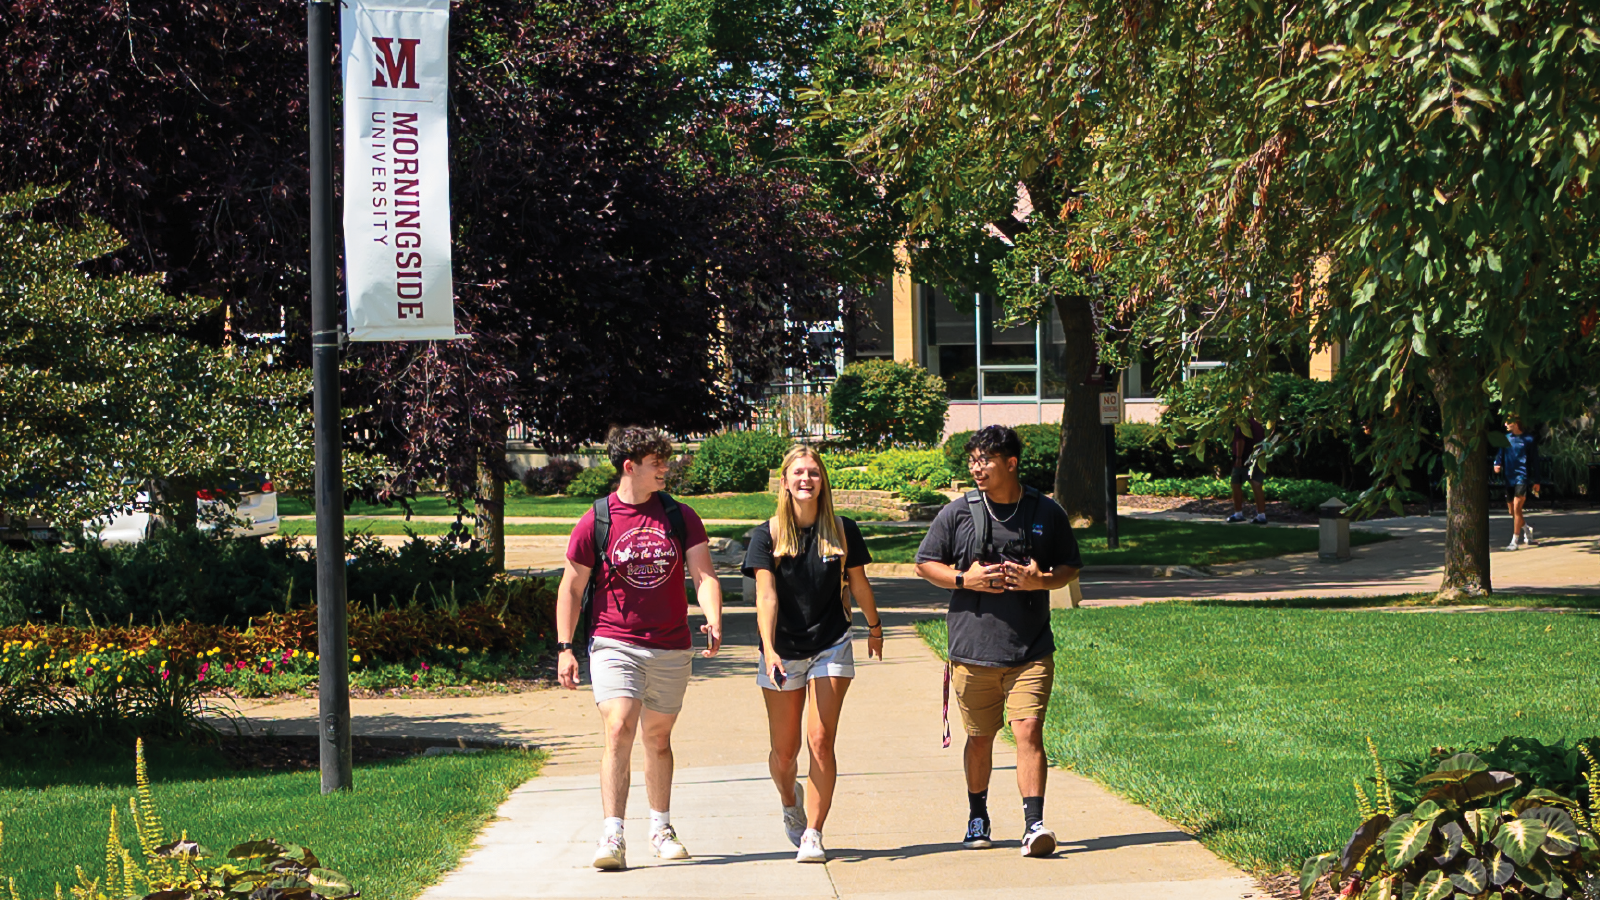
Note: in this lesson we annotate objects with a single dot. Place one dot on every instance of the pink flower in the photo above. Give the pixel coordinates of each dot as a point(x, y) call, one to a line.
point(424, 667)
point(415, 676)
point(285, 656)
point(204, 668)
point(165, 674)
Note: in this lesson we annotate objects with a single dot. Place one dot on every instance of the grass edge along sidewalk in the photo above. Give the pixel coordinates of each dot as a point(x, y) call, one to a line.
point(406, 824)
point(1156, 542)
point(1245, 724)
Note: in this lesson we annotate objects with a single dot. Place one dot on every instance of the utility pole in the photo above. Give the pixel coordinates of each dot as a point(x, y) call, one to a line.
point(333, 682)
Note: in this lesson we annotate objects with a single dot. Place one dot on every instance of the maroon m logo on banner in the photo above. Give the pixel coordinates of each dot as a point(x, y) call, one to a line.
point(402, 72)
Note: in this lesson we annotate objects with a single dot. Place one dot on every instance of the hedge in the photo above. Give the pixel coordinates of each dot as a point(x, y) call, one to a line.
point(735, 461)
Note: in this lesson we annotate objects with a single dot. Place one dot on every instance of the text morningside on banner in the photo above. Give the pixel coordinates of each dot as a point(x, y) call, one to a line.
point(397, 169)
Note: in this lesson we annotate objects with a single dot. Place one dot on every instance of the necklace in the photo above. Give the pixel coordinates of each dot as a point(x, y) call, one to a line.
point(990, 509)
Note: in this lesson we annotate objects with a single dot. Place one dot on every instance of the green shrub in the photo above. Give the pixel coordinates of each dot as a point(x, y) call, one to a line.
point(192, 576)
point(736, 461)
point(1318, 434)
point(1143, 448)
point(1041, 448)
point(1301, 494)
point(920, 466)
point(880, 403)
point(595, 481)
point(916, 493)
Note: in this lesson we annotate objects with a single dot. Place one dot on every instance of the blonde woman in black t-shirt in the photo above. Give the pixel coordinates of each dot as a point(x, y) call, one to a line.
point(808, 565)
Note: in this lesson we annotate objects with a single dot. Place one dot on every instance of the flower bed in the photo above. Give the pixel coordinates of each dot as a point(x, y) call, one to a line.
point(161, 673)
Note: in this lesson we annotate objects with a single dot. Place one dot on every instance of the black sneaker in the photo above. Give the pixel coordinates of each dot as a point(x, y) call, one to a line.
point(977, 835)
point(1039, 841)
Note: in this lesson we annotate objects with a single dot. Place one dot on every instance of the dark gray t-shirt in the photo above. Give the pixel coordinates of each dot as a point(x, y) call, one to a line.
point(1012, 628)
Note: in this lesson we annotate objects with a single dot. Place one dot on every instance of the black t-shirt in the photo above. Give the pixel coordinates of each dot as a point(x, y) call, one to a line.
point(810, 604)
point(1012, 628)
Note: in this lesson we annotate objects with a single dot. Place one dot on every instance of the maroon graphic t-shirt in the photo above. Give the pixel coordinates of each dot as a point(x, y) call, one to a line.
point(639, 598)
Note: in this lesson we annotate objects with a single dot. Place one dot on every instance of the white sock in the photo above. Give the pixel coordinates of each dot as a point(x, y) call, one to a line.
point(613, 826)
point(659, 819)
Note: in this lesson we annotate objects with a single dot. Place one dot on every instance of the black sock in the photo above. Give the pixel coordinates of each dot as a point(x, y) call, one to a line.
point(978, 805)
point(1032, 812)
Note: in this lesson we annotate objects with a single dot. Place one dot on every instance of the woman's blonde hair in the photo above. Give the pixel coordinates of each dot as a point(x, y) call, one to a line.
point(786, 532)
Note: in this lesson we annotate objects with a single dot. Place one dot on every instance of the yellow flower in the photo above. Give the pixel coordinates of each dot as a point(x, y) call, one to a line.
point(294, 654)
point(356, 658)
point(119, 679)
point(214, 651)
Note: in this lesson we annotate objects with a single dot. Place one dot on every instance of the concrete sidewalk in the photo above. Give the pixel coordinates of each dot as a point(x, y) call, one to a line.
point(896, 824)
point(1565, 559)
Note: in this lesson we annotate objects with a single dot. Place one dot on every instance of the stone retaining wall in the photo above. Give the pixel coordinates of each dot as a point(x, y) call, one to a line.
point(881, 503)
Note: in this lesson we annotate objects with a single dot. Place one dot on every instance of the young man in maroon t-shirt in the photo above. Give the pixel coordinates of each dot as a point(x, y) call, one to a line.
point(640, 647)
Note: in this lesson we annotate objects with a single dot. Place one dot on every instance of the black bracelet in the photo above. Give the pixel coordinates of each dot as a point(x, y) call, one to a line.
point(875, 627)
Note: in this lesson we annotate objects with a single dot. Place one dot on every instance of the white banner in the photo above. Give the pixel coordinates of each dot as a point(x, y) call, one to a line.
point(397, 170)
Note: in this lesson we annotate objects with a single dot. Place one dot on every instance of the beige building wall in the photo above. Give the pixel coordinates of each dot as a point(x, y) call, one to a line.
point(1325, 361)
point(908, 325)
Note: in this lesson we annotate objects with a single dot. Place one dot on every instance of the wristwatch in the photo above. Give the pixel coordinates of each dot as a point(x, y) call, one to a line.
point(563, 645)
point(961, 580)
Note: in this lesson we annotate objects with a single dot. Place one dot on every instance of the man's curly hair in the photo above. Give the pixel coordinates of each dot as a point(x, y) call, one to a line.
point(1001, 439)
point(636, 443)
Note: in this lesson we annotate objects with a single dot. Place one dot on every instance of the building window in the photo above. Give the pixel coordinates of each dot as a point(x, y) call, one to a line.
point(951, 344)
point(1009, 356)
point(874, 330)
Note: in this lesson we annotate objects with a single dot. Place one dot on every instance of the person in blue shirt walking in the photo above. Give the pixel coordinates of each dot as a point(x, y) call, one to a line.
point(1519, 463)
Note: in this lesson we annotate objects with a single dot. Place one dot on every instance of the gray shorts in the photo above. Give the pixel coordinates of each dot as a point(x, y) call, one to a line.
point(657, 677)
point(838, 661)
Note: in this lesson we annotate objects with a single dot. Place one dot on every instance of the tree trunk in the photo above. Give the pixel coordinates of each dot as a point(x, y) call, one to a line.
point(1466, 539)
point(1081, 464)
point(491, 501)
point(175, 501)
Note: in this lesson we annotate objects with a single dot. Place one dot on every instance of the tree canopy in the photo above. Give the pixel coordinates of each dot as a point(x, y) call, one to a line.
point(101, 392)
point(1410, 180)
point(616, 259)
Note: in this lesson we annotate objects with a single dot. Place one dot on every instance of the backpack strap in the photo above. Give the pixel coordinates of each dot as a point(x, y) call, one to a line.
point(602, 531)
point(982, 534)
point(680, 531)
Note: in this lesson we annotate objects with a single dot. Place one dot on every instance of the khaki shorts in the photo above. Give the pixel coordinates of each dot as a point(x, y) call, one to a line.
point(656, 677)
point(991, 696)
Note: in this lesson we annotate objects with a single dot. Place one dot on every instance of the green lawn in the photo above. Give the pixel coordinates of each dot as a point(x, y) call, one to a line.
point(1153, 542)
point(1246, 725)
point(736, 506)
point(405, 824)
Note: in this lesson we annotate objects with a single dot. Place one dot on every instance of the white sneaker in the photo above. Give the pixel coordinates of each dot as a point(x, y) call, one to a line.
point(1513, 544)
point(612, 853)
point(1527, 535)
point(667, 845)
point(1039, 841)
point(811, 848)
point(794, 817)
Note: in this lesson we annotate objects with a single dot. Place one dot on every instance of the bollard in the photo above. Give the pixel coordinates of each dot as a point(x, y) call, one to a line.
point(1333, 531)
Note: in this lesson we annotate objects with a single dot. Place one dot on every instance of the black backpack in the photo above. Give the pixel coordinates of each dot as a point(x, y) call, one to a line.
point(983, 535)
point(602, 540)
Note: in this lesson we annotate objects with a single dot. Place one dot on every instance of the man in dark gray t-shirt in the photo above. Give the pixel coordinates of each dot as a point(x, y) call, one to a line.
point(1000, 551)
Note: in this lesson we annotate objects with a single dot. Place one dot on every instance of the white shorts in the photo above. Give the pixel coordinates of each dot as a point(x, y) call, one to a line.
point(657, 677)
point(838, 661)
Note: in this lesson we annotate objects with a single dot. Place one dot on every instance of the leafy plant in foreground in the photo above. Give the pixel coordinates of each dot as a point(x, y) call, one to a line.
point(1464, 841)
point(176, 870)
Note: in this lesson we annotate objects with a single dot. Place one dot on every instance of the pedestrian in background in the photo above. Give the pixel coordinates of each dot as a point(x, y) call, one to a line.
point(1518, 462)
